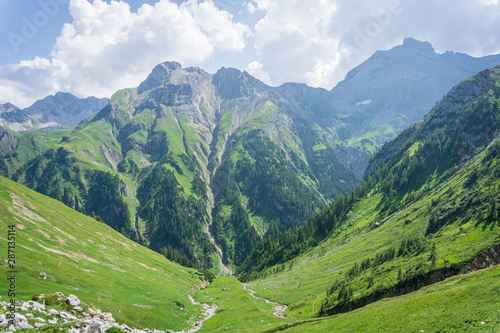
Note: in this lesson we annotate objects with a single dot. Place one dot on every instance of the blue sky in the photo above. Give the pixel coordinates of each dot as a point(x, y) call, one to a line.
point(95, 47)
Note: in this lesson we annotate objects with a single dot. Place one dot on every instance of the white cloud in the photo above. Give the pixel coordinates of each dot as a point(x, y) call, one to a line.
point(107, 47)
point(251, 9)
point(318, 41)
point(255, 69)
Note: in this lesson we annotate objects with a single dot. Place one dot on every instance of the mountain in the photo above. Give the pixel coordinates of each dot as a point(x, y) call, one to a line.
point(427, 210)
point(203, 166)
point(59, 250)
point(394, 89)
point(59, 110)
point(189, 153)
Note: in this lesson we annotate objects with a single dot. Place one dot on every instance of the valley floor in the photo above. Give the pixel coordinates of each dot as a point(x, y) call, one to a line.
point(463, 303)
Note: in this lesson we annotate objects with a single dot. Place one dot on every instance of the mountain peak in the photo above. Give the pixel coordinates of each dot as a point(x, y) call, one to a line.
point(159, 74)
point(416, 45)
point(228, 73)
point(8, 107)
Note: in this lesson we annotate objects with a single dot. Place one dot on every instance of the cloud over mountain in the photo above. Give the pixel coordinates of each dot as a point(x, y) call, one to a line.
point(107, 46)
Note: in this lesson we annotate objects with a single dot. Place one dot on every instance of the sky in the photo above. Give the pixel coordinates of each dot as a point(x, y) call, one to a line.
point(96, 47)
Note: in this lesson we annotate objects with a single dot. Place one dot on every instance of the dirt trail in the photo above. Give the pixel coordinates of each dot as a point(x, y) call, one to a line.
point(279, 309)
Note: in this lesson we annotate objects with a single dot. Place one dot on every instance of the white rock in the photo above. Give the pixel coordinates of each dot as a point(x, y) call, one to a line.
point(24, 325)
point(73, 300)
point(66, 315)
point(106, 316)
point(126, 329)
point(35, 305)
point(53, 312)
point(53, 321)
point(19, 318)
point(38, 325)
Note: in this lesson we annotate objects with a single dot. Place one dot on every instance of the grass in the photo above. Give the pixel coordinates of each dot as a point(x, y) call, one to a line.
point(84, 257)
point(237, 311)
point(464, 303)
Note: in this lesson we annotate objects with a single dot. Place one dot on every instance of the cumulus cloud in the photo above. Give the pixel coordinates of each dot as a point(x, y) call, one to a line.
point(255, 69)
point(318, 41)
point(107, 47)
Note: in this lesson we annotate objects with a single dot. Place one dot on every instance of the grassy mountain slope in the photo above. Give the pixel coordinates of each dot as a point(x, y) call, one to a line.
point(464, 303)
point(428, 207)
point(84, 257)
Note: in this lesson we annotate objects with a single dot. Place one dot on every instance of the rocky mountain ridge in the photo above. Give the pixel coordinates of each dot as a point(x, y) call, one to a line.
point(62, 110)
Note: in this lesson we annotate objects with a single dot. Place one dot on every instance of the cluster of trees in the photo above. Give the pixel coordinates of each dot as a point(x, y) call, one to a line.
point(231, 225)
point(272, 181)
point(293, 242)
point(174, 255)
point(174, 218)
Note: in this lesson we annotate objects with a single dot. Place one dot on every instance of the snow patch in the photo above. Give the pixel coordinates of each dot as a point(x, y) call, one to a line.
point(366, 102)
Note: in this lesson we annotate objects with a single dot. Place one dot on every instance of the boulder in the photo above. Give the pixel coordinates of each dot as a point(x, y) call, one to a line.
point(35, 305)
point(24, 325)
point(42, 276)
point(73, 300)
point(19, 318)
